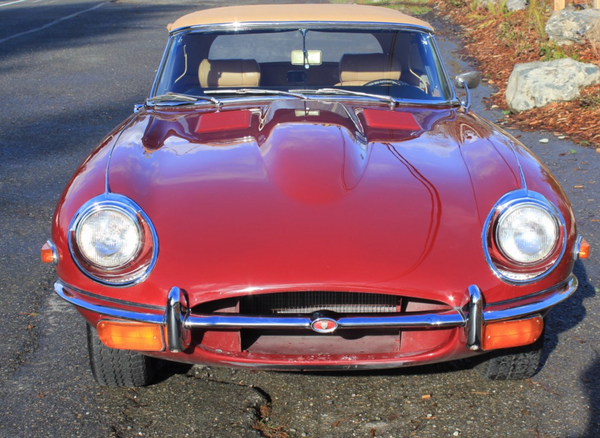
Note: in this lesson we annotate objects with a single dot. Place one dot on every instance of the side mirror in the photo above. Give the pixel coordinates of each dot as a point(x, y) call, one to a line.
point(137, 107)
point(470, 79)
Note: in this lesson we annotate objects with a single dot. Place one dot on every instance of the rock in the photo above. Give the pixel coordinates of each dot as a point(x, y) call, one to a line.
point(574, 27)
point(516, 5)
point(536, 84)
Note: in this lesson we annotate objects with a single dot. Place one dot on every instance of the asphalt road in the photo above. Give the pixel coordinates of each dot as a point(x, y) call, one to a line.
point(69, 72)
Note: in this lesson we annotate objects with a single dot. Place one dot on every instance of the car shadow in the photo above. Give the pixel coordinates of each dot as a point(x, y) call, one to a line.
point(167, 369)
point(569, 313)
point(591, 382)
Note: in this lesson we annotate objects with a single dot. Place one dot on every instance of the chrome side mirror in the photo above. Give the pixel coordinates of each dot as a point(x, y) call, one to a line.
point(470, 79)
point(467, 81)
point(137, 107)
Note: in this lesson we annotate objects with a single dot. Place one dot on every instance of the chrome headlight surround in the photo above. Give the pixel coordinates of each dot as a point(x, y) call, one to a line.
point(512, 268)
point(142, 252)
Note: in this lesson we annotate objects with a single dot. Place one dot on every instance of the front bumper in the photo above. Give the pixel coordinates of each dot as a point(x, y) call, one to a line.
point(178, 321)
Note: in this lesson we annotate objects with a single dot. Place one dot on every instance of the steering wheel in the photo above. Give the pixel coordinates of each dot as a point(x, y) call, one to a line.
point(385, 82)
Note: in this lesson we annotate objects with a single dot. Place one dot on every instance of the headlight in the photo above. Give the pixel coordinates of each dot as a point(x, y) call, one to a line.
point(113, 241)
point(527, 233)
point(524, 237)
point(109, 237)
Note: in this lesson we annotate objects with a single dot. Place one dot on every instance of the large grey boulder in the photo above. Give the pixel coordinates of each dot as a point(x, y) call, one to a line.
point(536, 84)
point(574, 27)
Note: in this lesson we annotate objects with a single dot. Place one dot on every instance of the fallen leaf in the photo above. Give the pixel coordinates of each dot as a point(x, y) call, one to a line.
point(572, 151)
point(426, 397)
point(578, 187)
point(544, 140)
point(336, 423)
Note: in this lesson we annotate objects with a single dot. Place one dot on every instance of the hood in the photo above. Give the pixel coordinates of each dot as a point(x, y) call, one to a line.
point(303, 195)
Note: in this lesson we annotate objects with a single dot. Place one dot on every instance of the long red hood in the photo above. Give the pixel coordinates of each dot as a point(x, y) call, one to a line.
point(315, 196)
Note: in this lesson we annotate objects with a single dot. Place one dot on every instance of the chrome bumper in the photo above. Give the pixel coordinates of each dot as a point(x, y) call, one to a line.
point(473, 316)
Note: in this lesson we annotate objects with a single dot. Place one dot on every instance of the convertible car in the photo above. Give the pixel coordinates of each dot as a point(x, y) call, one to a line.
point(305, 189)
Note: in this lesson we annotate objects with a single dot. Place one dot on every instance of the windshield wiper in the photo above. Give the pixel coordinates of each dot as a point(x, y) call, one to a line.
point(342, 92)
point(176, 99)
point(256, 91)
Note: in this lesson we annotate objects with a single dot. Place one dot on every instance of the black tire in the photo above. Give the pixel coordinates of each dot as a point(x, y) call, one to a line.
point(112, 367)
point(512, 363)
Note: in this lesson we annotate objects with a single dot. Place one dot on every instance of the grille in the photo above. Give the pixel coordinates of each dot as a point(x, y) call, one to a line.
point(309, 302)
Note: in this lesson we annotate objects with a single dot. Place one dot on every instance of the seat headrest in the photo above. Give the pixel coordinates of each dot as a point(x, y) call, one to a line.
point(229, 73)
point(358, 69)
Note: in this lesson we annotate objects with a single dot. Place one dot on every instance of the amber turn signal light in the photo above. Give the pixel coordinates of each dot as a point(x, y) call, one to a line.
point(584, 249)
point(48, 253)
point(506, 334)
point(131, 335)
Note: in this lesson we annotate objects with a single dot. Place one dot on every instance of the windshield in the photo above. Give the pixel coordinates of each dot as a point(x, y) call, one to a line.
point(399, 63)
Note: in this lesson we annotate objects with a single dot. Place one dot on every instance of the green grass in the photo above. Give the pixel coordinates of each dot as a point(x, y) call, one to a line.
point(591, 101)
point(411, 7)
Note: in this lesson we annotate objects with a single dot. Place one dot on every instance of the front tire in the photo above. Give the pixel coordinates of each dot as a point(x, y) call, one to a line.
point(112, 367)
point(512, 363)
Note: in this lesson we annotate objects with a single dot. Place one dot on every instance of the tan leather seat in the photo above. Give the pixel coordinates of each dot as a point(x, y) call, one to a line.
point(229, 73)
point(358, 69)
point(417, 76)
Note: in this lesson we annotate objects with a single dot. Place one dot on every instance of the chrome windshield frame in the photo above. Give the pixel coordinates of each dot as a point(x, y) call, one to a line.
point(316, 25)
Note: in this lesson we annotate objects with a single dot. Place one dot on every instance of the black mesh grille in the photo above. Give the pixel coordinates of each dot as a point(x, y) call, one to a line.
point(309, 302)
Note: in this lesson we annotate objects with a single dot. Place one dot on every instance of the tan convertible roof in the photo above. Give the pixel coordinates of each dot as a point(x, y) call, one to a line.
point(296, 13)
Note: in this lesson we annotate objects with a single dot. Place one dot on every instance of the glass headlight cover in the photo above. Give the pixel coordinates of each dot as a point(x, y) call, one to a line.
point(527, 233)
point(109, 237)
point(524, 237)
point(112, 241)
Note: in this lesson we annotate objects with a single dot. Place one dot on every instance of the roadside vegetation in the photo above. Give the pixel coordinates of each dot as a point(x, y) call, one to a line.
point(496, 40)
point(412, 7)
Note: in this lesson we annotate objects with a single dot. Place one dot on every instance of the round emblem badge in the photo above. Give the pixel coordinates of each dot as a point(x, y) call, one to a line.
point(324, 325)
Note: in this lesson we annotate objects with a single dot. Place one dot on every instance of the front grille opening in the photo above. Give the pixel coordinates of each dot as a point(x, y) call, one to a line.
point(312, 301)
point(304, 342)
point(294, 342)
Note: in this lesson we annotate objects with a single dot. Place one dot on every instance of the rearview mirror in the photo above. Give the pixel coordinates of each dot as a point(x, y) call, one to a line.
point(313, 57)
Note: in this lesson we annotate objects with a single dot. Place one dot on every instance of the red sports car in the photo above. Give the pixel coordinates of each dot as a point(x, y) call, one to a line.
point(304, 190)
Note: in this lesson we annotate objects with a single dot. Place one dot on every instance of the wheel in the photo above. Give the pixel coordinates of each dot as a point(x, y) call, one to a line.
point(385, 82)
point(112, 367)
point(512, 363)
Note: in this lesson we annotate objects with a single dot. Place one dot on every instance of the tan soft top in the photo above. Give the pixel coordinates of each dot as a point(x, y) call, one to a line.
point(296, 13)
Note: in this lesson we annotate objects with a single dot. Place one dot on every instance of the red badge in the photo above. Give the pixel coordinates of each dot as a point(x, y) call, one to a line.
point(324, 325)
